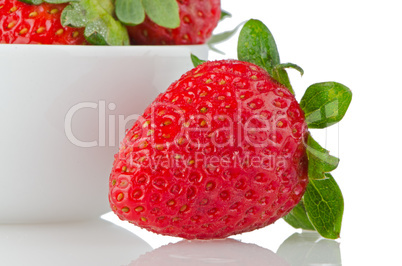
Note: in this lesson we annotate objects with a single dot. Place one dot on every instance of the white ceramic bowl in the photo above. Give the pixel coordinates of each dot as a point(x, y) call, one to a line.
point(63, 110)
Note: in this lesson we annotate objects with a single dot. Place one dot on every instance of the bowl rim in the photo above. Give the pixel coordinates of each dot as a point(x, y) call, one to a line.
point(109, 47)
point(8, 50)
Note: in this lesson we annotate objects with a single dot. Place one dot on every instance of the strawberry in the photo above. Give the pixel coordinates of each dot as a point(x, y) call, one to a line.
point(22, 23)
point(226, 150)
point(220, 152)
point(197, 21)
point(38, 22)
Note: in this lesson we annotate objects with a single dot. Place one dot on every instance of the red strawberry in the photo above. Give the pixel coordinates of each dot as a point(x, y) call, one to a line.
point(221, 152)
point(198, 18)
point(22, 23)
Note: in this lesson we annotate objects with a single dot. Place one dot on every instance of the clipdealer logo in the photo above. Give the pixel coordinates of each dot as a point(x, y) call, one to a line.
point(107, 136)
point(112, 129)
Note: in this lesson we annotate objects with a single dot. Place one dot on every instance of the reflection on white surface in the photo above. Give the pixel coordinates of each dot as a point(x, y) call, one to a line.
point(213, 252)
point(94, 242)
point(300, 249)
point(99, 242)
point(308, 249)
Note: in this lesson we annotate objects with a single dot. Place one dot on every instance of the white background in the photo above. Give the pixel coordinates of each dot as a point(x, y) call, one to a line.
point(356, 43)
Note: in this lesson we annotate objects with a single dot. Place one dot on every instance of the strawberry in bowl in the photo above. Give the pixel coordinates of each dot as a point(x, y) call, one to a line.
point(23, 23)
point(60, 22)
point(175, 22)
point(106, 22)
point(73, 101)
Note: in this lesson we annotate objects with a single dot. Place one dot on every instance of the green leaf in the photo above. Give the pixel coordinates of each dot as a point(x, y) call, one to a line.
point(225, 14)
point(74, 15)
point(321, 208)
point(319, 160)
point(223, 36)
point(196, 61)
point(324, 204)
point(100, 26)
point(325, 104)
point(214, 49)
point(289, 65)
point(165, 13)
point(257, 45)
point(280, 75)
point(298, 218)
point(130, 12)
point(96, 38)
point(107, 5)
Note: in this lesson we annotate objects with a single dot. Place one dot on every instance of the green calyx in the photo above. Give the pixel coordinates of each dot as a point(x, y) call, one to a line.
point(101, 28)
point(324, 104)
point(321, 207)
point(196, 61)
point(298, 218)
point(165, 13)
point(221, 37)
point(257, 45)
point(96, 16)
point(225, 14)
